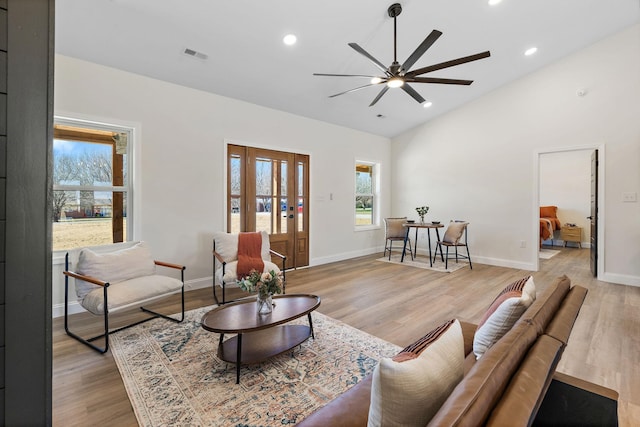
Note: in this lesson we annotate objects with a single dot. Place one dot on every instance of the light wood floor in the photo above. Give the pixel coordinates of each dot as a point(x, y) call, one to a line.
point(398, 304)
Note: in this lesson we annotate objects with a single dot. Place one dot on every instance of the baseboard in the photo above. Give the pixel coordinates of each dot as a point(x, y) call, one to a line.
point(499, 262)
point(620, 279)
point(344, 256)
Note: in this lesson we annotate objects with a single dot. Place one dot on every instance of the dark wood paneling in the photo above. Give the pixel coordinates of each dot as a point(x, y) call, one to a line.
point(27, 308)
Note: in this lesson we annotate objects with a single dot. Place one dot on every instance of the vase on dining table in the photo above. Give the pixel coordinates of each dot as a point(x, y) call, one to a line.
point(264, 302)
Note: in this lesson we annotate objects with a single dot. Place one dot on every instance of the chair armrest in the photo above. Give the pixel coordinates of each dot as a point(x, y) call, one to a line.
point(170, 265)
point(85, 278)
point(272, 252)
point(219, 257)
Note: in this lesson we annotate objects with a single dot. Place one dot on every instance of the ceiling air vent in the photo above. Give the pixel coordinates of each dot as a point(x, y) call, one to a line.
point(195, 54)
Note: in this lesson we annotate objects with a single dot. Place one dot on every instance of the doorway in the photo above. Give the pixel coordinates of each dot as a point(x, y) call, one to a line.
point(268, 190)
point(566, 179)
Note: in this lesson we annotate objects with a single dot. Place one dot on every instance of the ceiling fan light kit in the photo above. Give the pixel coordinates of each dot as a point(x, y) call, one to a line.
point(399, 75)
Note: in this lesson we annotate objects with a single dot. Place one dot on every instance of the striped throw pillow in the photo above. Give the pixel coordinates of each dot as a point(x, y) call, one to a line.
point(408, 389)
point(503, 313)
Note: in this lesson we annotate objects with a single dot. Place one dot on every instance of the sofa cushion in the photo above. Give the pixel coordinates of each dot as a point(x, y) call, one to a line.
point(561, 325)
point(526, 391)
point(113, 267)
point(470, 403)
point(409, 388)
point(547, 303)
point(132, 292)
point(503, 313)
point(230, 272)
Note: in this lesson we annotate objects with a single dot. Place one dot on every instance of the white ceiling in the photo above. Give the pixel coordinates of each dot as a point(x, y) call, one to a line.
point(248, 61)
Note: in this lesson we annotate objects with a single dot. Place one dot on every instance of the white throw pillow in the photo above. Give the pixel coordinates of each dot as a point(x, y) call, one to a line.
point(113, 267)
point(409, 389)
point(503, 313)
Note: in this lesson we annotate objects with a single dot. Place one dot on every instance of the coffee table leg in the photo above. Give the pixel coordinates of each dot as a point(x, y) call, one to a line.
point(311, 326)
point(238, 358)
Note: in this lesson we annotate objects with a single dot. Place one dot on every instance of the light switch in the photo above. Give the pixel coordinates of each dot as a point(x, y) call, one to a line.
point(630, 197)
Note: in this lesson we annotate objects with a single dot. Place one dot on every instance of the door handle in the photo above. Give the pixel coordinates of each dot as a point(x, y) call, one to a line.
point(589, 217)
point(290, 216)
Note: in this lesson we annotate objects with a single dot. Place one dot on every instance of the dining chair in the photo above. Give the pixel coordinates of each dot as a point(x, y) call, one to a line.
point(454, 236)
point(395, 232)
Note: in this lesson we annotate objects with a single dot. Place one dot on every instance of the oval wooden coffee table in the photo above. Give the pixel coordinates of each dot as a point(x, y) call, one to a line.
point(260, 336)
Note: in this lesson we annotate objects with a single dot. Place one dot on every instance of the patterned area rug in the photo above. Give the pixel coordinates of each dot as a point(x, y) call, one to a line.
point(173, 377)
point(421, 261)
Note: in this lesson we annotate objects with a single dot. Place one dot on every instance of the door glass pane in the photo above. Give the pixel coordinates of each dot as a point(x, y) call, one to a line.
point(283, 214)
point(236, 179)
point(235, 214)
point(283, 178)
point(300, 190)
point(264, 191)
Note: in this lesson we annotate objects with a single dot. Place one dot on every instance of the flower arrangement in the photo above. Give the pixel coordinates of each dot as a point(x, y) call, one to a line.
point(264, 284)
point(422, 211)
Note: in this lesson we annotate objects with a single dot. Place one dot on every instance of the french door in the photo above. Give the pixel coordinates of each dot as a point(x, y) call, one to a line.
point(268, 191)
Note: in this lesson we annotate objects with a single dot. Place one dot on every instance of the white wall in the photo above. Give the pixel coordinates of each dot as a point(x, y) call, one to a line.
point(479, 162)
point(565, 182)
point(179, 182)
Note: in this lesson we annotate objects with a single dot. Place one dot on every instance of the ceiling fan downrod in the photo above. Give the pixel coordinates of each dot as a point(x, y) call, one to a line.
point(393, 11)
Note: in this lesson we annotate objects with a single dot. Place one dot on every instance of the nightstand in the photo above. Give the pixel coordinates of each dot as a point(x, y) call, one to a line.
point(572, 234)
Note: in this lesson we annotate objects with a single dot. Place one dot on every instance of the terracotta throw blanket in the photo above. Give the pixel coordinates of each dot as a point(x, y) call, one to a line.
point(249, 254)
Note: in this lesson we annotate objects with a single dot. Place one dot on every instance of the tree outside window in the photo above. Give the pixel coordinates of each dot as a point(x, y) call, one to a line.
point(90, 186)
point(365, 194)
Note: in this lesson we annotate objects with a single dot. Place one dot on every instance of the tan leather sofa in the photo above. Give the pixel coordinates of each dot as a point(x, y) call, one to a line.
point(508, 384)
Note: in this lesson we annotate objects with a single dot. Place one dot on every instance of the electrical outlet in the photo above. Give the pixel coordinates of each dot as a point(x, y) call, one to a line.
point(630, 197)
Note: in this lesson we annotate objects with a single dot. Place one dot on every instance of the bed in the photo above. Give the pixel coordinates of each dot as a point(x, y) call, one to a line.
point(549, 222)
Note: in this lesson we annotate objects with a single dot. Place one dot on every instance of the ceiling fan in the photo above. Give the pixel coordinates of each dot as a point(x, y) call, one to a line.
point(399, 75)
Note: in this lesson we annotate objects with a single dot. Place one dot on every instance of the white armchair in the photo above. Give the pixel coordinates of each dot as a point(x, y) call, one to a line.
point(109, 280)
point(225, 261)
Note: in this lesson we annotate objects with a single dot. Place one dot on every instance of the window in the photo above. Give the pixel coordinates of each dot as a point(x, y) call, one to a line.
point(91, 191)
point(365, 194)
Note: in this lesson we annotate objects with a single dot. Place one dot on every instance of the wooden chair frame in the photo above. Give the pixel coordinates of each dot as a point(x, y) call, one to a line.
point(218, 258)
point(105, 287)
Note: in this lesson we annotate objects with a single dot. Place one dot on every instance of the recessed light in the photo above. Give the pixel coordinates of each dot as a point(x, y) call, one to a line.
point(530, 51)
point(427, 104)
point(290, 39)
point(494, 2)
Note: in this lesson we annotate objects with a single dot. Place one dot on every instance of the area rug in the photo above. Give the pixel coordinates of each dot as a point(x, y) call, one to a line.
point(173, 376)
point(547, 253)
point(422, 261)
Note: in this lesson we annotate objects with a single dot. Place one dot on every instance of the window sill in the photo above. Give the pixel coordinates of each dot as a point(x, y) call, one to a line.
point(367, 227)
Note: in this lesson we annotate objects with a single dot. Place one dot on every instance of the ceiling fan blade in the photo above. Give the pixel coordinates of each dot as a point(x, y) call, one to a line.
point(352, 90)
point(344, 75)
point(448, 64)
point(411, 91)
point(366, 54)
point(438, 81)
point(377, 98)
point(420, 50)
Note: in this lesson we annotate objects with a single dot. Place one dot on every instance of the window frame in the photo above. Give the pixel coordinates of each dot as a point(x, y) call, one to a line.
point(130, 199)
point(375, 194)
